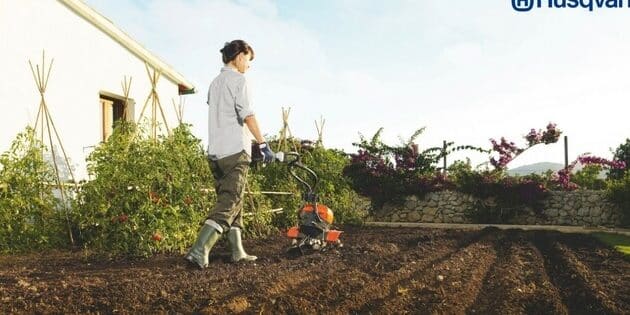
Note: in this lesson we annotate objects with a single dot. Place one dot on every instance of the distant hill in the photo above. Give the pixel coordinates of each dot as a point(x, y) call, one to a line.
point(537, 168)
point(542, 167)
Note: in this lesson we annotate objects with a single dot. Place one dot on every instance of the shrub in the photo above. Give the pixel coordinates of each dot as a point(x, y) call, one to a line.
point(588, 177)
point(622, 153)
point(146, 195)
point(275, 177)
point(618, 192)
point(564, 180)
point(501, 197)
point(389, 173)
point(333, 189)
point(30, 216)
point(508, 151)
point(257, 219)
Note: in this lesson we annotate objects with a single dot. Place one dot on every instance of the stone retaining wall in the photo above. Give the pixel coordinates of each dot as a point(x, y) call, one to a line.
point(579, 208)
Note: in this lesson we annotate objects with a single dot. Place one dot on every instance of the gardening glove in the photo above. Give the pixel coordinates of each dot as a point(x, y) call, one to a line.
point(268, 155)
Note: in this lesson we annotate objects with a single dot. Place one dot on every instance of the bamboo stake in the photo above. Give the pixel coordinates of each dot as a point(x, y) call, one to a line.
point(155, 103)
point(179, 109)
point(285, 133)
point(41, 78)
point(126, 86)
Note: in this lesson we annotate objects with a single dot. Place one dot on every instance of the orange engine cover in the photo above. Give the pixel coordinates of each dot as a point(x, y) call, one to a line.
point(293, 232)
point(332, 236)
point(324, 212)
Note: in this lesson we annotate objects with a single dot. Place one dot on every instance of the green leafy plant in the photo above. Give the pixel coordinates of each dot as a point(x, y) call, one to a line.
point(257, 218)
point(334, 190)
point(618, 192)
point(588, 177)
point(389, 173)
point(30, 216)
point(502, 197)
point(622, 153)
point(147, 195)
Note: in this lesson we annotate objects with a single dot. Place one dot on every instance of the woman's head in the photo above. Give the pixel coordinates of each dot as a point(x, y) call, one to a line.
point(238, 54)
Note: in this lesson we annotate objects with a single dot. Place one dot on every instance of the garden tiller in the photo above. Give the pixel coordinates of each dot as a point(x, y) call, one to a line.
point(314, 219)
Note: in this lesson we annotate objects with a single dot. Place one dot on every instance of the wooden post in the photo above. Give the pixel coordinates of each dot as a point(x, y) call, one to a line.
point(566, 152)
point(444, 153)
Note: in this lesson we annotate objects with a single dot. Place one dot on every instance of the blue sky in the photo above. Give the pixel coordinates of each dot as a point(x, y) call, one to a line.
point(467, 70)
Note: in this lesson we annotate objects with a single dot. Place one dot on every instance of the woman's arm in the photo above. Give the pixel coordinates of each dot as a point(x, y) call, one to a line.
point(252, 125)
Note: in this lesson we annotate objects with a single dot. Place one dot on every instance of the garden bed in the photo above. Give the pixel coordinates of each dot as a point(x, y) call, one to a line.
point(380, 270)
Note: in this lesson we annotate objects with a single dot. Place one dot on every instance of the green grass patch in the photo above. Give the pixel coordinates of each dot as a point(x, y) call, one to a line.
point(620, 242)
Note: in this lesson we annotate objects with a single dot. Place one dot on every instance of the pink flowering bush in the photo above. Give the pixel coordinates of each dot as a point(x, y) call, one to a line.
point(508, 151)
point(563, 177)
point(511, 194)
point(389, 173)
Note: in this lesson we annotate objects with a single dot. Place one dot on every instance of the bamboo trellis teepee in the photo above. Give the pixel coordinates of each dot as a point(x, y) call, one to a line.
point(320, 131)
point(46, 127)
point(179, 108)
point(285, 132)
point(154, 99)
point(126, 87)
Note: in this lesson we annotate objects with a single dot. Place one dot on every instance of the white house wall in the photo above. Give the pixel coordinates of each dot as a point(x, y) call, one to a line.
point(86, 61)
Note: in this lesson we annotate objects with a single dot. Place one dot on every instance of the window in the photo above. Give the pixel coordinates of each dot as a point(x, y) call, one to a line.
point(113, 110)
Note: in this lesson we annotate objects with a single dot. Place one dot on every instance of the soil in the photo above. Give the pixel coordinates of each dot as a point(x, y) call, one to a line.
point(378, 271)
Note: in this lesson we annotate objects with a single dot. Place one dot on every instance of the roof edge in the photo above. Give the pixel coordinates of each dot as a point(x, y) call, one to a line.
point(106, 26)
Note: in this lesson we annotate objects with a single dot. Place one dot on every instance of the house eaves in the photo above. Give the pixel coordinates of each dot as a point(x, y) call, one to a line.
point(106, 26)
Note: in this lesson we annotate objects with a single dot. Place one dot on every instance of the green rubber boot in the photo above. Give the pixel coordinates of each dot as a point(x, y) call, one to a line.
point(198, 253)
point(238, 253)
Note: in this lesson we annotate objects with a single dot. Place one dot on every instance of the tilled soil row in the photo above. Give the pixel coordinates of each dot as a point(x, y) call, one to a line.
point(448, 286)
point(353, 276)
point(608, 268)
point(515, 283)
point(379, 271)
point(579, 290)
point(396, 284)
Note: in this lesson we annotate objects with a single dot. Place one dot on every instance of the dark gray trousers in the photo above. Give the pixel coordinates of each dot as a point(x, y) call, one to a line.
point(230, 174)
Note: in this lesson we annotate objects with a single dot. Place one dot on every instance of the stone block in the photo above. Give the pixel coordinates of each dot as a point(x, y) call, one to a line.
point(430, 211)
point(596, 212)
point(414, 216)
point(552, 212)
point(411, 204)
point(458, 219)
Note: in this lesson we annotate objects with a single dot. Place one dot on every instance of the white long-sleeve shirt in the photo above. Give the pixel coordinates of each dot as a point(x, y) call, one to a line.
point(229, 105)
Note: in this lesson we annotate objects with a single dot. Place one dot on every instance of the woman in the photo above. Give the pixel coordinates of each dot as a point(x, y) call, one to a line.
point(231, 125)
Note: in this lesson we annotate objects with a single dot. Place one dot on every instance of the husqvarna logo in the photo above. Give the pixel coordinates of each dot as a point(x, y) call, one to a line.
point(523, 5)
point(591, 5)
